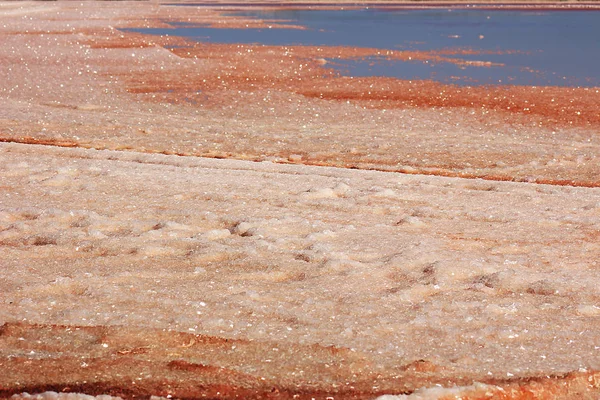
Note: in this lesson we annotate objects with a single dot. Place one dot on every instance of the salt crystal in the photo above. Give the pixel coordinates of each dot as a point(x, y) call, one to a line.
point(295, 158)
point(216, 234)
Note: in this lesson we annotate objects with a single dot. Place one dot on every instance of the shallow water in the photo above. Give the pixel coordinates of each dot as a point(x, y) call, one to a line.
point(536, 47)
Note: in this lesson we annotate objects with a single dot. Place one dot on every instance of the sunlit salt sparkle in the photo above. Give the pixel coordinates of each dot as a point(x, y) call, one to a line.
point(283, 231)
point(286, 249)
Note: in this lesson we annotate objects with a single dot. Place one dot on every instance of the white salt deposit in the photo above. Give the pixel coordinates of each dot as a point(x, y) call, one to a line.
point(441, 270)
point(439, 392)
point(320, 193)
point(480, 279)
point(216, 234)
point(589, 310)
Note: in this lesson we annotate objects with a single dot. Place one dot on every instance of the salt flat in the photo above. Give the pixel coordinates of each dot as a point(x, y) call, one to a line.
point(485, 280)
point(143, 253)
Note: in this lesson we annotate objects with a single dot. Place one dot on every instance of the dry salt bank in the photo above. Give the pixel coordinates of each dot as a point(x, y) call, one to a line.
point(123, 268)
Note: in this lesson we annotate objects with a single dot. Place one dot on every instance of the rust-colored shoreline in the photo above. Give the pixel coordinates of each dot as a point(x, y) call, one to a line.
point(543, 105)
point(548, 106)
point(431, 171)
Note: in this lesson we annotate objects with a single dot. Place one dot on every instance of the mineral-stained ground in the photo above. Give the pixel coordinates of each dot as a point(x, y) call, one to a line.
point(237, 221)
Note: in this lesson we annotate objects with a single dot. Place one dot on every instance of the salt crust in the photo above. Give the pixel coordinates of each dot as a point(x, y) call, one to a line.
point(484, 278)
point(442, 269)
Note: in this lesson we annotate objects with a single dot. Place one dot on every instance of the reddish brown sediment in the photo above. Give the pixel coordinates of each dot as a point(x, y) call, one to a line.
point(42, 141)
point(220, 18)
point(132, 363)
point(283, 160)
point(248, 67)
point(548, 105)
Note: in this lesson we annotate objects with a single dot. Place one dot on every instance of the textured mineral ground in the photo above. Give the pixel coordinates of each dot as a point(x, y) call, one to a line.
point(195, 220)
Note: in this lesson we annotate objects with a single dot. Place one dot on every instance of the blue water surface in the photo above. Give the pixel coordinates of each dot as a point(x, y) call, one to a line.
point(550, 47)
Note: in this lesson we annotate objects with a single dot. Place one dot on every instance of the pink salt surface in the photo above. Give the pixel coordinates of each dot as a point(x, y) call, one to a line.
point(390, 281)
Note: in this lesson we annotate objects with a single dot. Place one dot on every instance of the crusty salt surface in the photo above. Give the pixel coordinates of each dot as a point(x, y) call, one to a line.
point(485, 280)
point(415, 280)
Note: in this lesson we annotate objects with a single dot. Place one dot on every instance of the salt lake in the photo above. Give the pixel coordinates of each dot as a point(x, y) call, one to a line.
point(535, 47)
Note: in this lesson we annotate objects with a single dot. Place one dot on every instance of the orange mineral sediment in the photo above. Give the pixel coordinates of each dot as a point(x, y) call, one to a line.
point(133, 363)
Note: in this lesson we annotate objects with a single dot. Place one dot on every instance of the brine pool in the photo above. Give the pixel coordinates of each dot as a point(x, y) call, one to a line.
point(527, 47)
